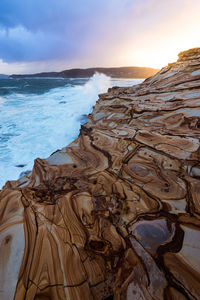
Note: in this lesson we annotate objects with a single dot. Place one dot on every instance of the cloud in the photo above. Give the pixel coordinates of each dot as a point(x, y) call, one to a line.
point(88, 32)
point(38, 30)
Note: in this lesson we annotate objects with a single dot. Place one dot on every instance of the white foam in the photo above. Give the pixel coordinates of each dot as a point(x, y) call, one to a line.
point(34, 126)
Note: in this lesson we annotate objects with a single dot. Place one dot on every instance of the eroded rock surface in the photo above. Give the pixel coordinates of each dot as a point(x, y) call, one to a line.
point(117, 212)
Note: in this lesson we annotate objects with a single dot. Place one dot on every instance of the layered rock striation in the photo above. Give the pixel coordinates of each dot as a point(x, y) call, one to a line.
point(116, 214)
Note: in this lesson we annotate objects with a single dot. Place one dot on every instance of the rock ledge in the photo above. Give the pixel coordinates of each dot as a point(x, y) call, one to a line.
point(116, 214)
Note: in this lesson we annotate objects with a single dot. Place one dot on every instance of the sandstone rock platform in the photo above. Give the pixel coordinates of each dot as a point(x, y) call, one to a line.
point(116, 214)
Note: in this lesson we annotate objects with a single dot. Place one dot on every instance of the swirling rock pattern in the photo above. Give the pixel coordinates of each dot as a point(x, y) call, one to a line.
point(116, 214)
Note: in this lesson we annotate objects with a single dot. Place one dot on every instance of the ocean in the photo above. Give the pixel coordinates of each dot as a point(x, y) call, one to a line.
point(40, 115)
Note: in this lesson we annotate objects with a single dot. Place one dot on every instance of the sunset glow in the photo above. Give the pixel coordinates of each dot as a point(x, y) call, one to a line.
point(37, 37)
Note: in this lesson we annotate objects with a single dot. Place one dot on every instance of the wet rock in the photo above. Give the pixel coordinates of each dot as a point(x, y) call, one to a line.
point(153, 233)
point(24, 173)
point(115, 214)
point(83, 119)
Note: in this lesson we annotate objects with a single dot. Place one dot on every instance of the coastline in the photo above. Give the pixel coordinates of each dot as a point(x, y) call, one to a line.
point(113, 72)
point(120, 201)
point(39, 116)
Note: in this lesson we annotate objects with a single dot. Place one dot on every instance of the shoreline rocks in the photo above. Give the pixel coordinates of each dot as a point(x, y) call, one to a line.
point(115, 214)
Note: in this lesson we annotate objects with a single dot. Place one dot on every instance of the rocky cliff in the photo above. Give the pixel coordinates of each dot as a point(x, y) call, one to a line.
point(116, 214)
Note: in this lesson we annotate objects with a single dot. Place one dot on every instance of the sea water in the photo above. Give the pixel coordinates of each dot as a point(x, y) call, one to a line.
point(40, 115)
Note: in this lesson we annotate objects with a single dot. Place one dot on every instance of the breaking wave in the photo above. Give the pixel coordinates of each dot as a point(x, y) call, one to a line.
point(35, 125)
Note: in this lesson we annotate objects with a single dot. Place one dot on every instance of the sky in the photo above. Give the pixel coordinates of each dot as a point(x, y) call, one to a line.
point(53, 35)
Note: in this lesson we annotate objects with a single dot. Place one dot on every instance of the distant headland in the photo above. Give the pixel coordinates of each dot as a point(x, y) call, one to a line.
point(118, 72)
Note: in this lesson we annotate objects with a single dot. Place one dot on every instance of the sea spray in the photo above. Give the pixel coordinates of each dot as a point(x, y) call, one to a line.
point(36, 124)
point(98, 83)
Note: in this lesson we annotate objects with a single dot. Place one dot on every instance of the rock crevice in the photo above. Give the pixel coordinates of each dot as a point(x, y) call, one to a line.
point(116, 213)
